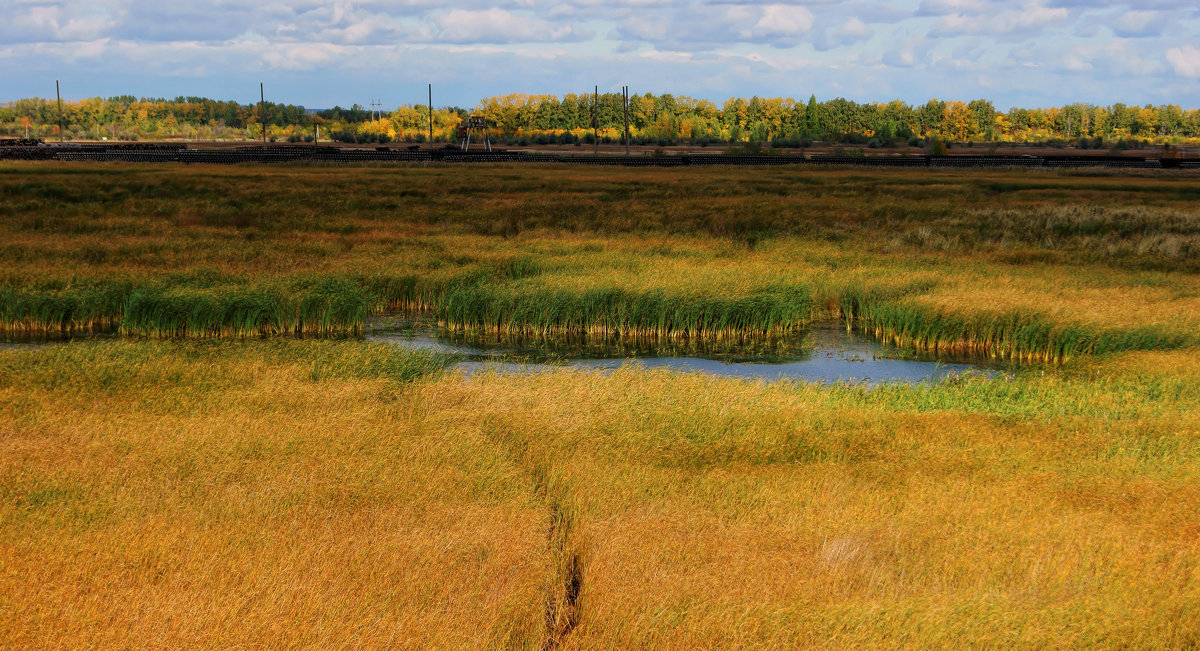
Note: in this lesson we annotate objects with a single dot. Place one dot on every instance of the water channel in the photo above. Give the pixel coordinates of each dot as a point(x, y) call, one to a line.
point(824, 353)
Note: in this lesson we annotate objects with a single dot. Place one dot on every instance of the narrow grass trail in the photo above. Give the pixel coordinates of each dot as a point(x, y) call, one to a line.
point(564, 548)
point(720, 512)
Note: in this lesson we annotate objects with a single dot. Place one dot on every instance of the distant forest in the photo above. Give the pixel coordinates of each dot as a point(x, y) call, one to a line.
point(653, 119)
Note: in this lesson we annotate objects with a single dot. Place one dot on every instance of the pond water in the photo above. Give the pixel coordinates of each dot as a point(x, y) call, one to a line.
point(825, 353)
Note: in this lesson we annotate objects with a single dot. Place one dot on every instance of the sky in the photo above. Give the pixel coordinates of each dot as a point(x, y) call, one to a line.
point(1026, 53)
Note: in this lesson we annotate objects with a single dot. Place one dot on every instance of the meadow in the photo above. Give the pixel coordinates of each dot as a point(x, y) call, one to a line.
point(235, 467)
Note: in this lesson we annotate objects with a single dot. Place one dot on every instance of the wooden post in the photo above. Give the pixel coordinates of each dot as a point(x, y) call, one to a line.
point(60, 114)
point(430, 115)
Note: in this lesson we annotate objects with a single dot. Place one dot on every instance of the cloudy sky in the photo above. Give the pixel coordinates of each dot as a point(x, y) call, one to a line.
point(319, 53)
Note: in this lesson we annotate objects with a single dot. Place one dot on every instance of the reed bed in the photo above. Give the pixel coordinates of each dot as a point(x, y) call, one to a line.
point(63, 311)
point(662, 253)
point(332, 307)
point(1010, 335)
point(325, 307)
point(613, 312)
point(336, 306)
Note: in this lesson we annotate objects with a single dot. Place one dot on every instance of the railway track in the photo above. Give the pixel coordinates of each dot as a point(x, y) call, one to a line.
point(26, 150)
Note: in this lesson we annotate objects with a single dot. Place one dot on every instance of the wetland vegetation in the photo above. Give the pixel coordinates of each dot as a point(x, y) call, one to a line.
point(236, 467)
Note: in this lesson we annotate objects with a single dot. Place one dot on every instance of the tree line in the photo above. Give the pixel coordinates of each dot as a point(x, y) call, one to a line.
point(575, 118)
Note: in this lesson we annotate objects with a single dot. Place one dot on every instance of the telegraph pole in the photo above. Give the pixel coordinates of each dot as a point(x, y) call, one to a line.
point(60, 114)
point(625, 108)
point(430, 115)
point(262, 110)
point(596, 121)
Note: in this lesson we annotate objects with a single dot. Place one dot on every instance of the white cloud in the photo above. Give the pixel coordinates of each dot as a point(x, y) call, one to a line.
point(1185, 60)
point(946, 7)
point(1118, 59)
point(783, 20)
point(1139, 23)
point(907, 53)
point(500, 26)
point(850, 32)
point(57, 22)
point(306, 56)
point(854, 28)
point(1029, 19)
point(701, 26)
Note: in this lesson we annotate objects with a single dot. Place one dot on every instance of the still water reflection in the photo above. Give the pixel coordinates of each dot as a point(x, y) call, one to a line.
point(826, 353)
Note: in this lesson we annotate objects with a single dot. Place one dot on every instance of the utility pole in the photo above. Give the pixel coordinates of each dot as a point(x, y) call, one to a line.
point(431, 115)
point(60, 115)
point(262, 110)
point(596, 121)
point(625, 108)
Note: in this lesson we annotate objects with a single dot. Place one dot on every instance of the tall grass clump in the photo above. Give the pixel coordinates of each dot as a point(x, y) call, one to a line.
point(316, 307)
point(612, 311)
point(88, 308)
point(416, 293)
point(399, 293)
point(319, 306)
point(1012, 334)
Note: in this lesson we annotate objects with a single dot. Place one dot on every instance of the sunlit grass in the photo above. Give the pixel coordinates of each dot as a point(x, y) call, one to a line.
point(253, 494)
point(214, 476)
point(313, 493)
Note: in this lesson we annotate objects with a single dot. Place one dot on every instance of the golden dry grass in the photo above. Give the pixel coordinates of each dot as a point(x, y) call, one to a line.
point(231, 495)
point(223, 498)
point(716, 513)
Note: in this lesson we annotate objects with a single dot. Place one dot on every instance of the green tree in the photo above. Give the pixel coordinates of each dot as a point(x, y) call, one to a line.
point(813, 114)
point(984, 117)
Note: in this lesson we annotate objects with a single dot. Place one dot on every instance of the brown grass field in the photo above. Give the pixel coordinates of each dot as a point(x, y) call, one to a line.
point(255, 491)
